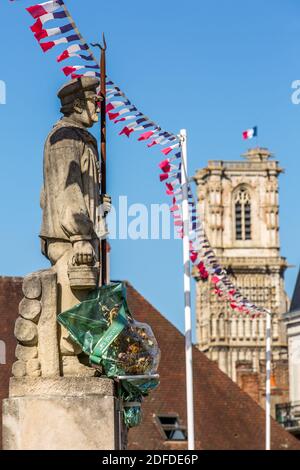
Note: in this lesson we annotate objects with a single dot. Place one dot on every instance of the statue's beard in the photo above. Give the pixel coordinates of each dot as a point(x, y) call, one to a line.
point(91, 120)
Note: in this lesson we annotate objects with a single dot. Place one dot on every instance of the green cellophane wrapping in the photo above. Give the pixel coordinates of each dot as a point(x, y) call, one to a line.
point(105, 329)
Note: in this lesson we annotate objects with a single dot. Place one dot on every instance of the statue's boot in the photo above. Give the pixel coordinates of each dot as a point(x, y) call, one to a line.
point(72, 367)
point(71, 364)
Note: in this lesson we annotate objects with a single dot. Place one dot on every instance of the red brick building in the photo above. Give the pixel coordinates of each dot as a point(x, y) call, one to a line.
point(254, 383)
point(10, 296)
point(225, 416)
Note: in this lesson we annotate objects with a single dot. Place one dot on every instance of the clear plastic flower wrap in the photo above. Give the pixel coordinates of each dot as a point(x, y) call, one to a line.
point(105, 329)
point(133, 352)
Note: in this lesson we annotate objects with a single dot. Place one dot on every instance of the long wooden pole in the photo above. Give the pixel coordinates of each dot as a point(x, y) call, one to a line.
point(103, 154)
point(103, 243)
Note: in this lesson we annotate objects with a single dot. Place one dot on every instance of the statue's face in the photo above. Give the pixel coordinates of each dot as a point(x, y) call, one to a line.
point(93, 109)
point(87, 112)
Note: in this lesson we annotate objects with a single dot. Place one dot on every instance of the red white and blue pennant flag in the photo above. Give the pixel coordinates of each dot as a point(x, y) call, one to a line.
point(54, 11)
point(38, 26)
point(43, 8)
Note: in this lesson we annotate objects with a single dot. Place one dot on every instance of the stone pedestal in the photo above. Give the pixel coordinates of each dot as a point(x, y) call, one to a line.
point(66, 413)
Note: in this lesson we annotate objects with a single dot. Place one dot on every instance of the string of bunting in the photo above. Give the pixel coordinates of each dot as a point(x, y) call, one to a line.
point(119, 110)
point(56, 10)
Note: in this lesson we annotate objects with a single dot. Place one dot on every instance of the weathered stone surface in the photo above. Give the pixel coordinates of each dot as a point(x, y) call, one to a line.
point(47, 326)
point(24, 353)
point(32, 287)
point(26, 331)
point(63, 413)
point(33, 368)
point(59, 423)
point(61, 386)
point(30, 309)
point(19, 369)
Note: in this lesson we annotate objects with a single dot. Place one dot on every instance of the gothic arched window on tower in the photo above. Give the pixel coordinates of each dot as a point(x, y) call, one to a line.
point(242, 206)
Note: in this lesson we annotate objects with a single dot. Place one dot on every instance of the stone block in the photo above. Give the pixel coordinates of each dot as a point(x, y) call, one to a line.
point(24, 353)
point(19, 369)
point(26, 332)
point(30, 309)
point(61, 414)
point(47, 326)
point(33, 368)
point(32, 287)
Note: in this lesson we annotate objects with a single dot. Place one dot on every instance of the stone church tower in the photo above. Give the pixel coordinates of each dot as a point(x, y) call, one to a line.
point(238, 203)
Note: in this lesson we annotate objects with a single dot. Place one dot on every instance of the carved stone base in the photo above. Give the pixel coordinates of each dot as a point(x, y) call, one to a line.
point(62, 414)
point(37, 351)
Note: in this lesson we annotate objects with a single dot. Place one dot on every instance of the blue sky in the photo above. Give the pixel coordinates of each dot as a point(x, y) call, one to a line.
point(215, 68)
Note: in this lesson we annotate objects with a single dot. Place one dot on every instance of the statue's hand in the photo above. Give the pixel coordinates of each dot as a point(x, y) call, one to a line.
point(106, 204)
point(83, 253)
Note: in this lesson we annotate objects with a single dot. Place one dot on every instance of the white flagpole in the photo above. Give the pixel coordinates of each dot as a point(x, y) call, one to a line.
point(187, 295)
point(268, 381)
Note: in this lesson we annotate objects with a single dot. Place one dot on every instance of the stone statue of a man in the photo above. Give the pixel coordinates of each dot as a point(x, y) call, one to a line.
point(73, 221)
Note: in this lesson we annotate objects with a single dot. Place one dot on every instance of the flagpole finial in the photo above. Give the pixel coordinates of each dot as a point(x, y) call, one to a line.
point(104, 47)
point(97, 44)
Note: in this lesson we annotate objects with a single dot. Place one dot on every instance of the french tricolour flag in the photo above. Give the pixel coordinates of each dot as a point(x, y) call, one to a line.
point(250, 133)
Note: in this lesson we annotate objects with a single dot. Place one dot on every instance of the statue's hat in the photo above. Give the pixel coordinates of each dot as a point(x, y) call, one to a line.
point(81, 88)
